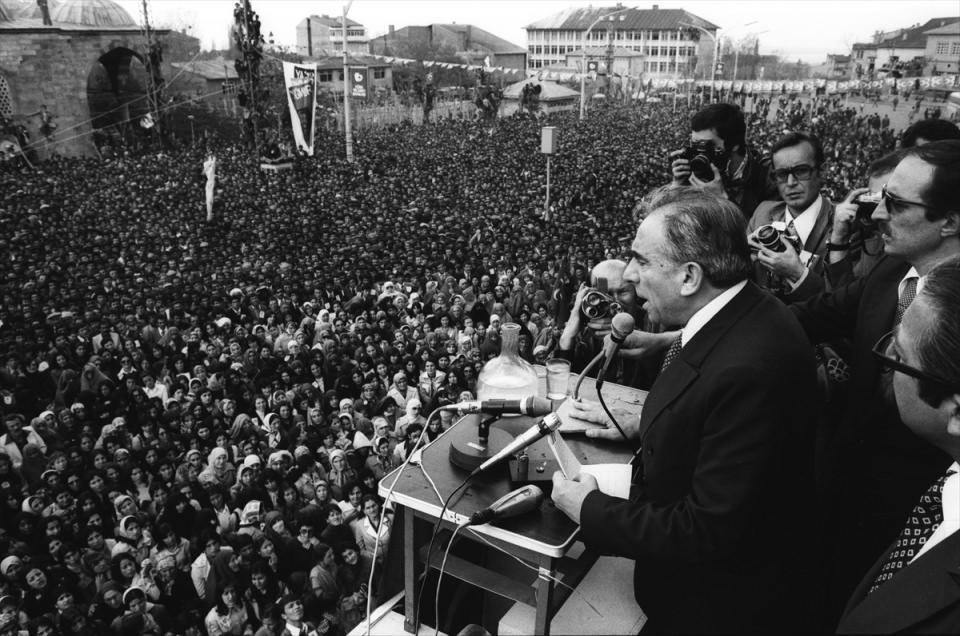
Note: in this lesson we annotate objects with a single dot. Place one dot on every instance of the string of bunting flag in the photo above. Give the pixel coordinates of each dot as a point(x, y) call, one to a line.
point(449, 65)
point(755, 86)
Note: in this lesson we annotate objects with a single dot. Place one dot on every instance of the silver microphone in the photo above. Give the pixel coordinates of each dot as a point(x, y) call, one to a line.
point(621, 326)
point(530, 405)
point(541, 429)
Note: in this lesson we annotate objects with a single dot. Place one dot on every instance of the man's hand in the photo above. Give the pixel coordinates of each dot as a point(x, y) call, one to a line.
point(714, 186)
point(843, 216)
point(593, 413)
point(680, 168)
point(572, 328)
point(785, 264)
point(568, 494)
point(641, 344)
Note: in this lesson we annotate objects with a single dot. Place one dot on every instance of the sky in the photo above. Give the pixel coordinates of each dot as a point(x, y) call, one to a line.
point(797, 29)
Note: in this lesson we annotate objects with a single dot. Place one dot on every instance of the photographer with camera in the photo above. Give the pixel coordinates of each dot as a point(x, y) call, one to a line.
point(718, 159)
point(855, 244)
point(789, 237)
point(590, 321)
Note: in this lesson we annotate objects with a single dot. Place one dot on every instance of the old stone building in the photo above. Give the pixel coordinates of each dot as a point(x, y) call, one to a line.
point(83, 72)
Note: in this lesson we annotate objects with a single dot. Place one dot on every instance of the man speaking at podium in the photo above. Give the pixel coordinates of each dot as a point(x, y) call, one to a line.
point(719, 519)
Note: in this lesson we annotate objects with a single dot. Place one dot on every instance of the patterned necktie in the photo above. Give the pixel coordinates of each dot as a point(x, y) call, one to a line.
point(672, 352)
point(921, 524)
point(906, 297)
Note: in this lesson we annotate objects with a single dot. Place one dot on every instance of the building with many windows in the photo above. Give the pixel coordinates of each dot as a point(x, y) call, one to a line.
point(323, 35)
point(470, 43)
point(943, 49)
point(674, 43)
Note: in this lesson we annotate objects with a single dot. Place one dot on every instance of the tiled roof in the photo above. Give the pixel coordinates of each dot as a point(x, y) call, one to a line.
point(580, 18)
point(332, 22)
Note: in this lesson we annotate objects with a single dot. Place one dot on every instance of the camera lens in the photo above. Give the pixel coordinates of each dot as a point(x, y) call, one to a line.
point(769, 237)
point(701, 168)
point(590, 311)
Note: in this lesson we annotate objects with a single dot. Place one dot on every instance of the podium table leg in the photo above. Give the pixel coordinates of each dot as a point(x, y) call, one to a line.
point(545, 589)
point(409, 574)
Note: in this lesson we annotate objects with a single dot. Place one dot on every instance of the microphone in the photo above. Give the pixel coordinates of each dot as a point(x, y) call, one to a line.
point(518, 502)
point(620, 327)
point(530, 405)
point(543, 428)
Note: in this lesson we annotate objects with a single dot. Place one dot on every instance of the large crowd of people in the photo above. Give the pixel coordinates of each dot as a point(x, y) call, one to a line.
point(196, 413)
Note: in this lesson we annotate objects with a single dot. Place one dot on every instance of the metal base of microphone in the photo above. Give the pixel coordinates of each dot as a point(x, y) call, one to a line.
point(465, 449)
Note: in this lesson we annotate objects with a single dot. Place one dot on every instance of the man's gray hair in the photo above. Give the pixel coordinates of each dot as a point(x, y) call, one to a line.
point(704, 229)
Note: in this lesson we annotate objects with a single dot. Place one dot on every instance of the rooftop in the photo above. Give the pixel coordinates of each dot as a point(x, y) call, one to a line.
point(915, 37)
point(948, 29)
point(219, 69)
point(580, 18)
point(99, 13)
point(326, 20)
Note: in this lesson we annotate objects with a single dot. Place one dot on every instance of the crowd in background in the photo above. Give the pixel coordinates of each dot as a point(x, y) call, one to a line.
point(196, 413)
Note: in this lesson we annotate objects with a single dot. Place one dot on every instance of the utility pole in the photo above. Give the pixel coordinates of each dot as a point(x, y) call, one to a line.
point(347, 132)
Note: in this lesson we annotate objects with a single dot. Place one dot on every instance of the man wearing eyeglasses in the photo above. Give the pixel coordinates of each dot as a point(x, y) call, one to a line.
point(804, 218)
point(875, 469)
point(910, 587)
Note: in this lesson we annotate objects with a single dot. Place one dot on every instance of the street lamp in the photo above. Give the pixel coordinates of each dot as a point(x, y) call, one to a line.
point(716, 52)
point(347, 132)
point(583, 56)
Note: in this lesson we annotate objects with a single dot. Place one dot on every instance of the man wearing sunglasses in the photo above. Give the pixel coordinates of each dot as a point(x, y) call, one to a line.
point(910, 587)
point(874, 468)
point(804, 214)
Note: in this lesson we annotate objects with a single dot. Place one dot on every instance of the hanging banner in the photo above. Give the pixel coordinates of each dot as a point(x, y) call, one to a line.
point(358, 82)
point(301, 83)
point(210, 169)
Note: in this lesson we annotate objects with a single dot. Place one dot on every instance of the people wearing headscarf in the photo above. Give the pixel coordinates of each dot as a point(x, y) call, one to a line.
point(340, 473)
point(218, 470)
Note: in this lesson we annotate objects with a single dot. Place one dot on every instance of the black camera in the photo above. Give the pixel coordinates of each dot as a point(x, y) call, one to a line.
point(866, 204)
point(597, 304)
point(702, 154)
point(769, 237)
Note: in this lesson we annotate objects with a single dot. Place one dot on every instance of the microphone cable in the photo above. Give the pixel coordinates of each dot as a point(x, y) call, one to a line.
point(433, 539)
point(443, 565)
point(383, 514)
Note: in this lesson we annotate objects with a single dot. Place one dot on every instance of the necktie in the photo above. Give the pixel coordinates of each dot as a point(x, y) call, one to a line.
point(922, 522)
point(906, 297)
point(672, 352)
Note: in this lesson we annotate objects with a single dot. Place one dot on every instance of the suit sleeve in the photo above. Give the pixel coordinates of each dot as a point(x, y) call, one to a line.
point(831, 315)
point(739, 455)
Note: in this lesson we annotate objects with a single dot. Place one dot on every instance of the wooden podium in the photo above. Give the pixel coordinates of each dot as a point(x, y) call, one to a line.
point(541, 539)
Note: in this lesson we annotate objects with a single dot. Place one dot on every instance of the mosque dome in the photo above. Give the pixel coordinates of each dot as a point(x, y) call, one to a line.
point(101, 13)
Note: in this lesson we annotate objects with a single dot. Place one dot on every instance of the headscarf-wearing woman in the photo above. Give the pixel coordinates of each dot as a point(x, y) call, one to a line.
point(218, 470)
point(340, 473)
point(91, 378)
point(68, 385)
point(133, 538)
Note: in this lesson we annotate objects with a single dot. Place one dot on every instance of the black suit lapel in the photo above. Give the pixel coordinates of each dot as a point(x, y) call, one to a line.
point(920, 590)
point(821, 227)
point(685, 368)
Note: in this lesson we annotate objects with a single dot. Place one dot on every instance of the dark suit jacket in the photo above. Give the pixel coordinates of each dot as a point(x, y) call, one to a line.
point(815, 281)
point(924, 597)
point(718, 511)
point(878, 468)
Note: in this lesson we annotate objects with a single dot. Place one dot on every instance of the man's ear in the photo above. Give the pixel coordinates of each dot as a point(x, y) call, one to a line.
point(693, 279)
point(951, 225)
point(952, 404)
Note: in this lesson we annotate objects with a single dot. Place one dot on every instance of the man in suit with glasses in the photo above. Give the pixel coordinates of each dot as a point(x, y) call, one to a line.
point(878, 469)
point(912, 587)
